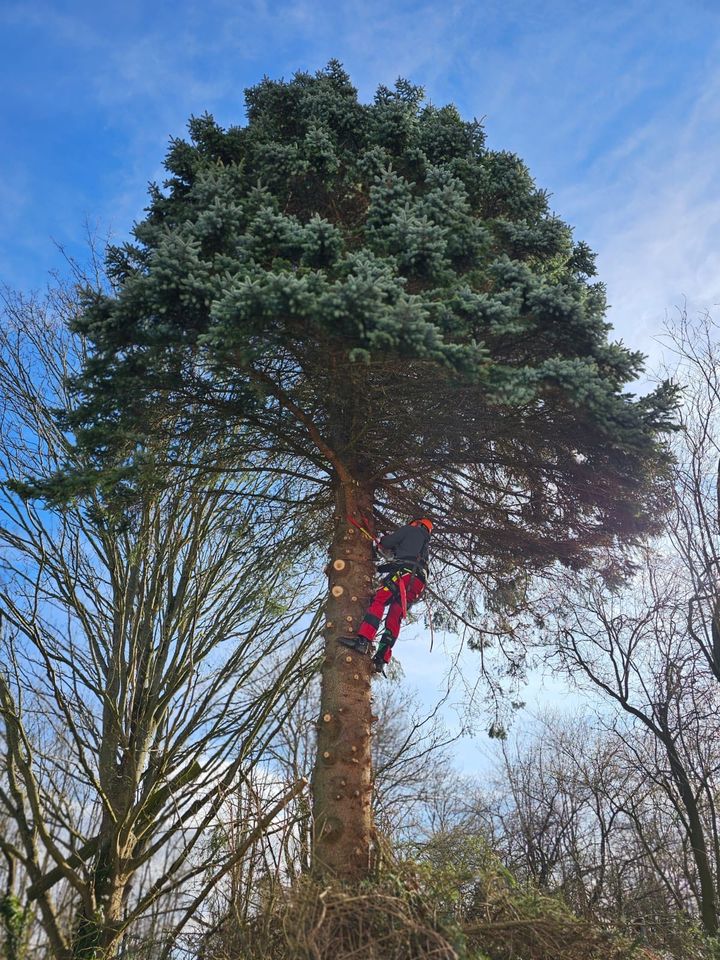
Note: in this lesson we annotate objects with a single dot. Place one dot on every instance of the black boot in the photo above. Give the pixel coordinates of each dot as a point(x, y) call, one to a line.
point(379, 664)
point(355, 643)
point(386, 641)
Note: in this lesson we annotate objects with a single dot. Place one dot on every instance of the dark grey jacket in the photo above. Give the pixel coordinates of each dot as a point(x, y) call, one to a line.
point(408, 544)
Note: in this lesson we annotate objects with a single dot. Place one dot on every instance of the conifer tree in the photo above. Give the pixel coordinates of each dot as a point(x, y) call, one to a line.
point(368, 299)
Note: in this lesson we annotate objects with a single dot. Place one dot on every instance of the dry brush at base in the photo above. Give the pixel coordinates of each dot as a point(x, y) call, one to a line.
point(403, 918)
point(314, 921)
point(533, 926)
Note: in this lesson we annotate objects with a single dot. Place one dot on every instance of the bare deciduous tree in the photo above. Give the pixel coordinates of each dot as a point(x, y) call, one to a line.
point(144, 660)
point(654, 649)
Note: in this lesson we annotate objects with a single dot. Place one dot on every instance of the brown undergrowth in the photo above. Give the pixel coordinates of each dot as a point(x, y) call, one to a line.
point(316, 921)
point(412, 914)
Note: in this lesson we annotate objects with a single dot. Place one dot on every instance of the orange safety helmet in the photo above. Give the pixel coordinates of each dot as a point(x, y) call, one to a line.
point(422, 522)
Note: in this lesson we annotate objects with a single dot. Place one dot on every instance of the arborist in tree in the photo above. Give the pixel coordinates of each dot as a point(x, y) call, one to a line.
point(405, 579)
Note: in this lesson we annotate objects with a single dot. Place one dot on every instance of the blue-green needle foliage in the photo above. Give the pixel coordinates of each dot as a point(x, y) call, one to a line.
point(368, 288)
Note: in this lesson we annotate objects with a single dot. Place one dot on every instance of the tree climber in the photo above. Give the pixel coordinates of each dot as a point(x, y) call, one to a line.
point(406, 576)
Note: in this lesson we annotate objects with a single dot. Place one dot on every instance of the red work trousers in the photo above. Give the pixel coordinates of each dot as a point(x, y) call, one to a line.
point(414, 586)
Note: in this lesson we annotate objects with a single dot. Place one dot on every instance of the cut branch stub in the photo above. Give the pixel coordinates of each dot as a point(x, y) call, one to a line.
point(344, 705)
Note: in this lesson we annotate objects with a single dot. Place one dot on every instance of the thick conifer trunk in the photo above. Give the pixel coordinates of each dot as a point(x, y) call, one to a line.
point(342, 779)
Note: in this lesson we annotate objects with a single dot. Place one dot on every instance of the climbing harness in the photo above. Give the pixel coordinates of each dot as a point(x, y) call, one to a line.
point(404, 579)
point(394, 580)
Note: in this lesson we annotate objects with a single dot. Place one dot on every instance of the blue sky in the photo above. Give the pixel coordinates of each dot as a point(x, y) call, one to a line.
point(615, 106)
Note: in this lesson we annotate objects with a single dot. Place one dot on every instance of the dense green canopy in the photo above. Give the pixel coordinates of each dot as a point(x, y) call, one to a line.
point(367, 293)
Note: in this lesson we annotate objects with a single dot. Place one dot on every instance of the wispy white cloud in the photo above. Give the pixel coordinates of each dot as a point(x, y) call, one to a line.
point(624, 137)
point(61, 26)
point(653, 203)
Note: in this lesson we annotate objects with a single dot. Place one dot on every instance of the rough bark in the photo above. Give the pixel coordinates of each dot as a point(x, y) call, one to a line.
point(342, 779)
point(99, 925)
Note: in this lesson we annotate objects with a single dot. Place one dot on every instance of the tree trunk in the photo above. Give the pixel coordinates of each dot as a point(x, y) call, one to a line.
point(708, 893)
point(342, 779)
point(97, 932)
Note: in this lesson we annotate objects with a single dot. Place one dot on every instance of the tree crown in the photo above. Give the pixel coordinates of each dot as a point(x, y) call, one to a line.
point(369, 291)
